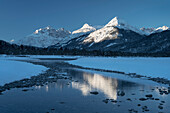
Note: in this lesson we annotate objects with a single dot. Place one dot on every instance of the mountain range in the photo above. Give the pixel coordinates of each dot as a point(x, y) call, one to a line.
point(116, 35)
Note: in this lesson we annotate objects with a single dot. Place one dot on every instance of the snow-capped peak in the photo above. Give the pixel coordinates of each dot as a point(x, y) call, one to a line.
point(86, 28)
point(42, 30)
point(51, 31)
point(163, 28)
point(110, 31)
point(45, 37)
point(115, 22)
point(149, 31)
point(119, 23)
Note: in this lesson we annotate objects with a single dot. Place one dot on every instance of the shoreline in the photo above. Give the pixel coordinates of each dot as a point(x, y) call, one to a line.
point(23, 82)
point(133, 75)
point(58, 72)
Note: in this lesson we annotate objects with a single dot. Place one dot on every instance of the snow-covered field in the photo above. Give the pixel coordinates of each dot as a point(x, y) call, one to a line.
point(52, 56)
point(15, 70)
point(154, 67)
point(11, 70)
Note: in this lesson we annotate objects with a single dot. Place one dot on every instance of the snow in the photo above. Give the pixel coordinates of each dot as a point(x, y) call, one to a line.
point(119, 23)
point(163, 28)
point(102, 34)
point(33, 57)
point(11, 70)
point(45, 37)
point(115, 22)
point(148, 31)
point(15, 70)
point(86, 28)
point(49, 36)
point(91, 44)
point(11, 41)
point(111, 44)
point(110, 32)
point(154, 67)
point(52, 56)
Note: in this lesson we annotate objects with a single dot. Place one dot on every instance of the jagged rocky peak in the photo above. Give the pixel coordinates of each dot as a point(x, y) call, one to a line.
point(149, 31)
point(51, 31)
point(45, 37)
point(42, 30)
point(86, 28)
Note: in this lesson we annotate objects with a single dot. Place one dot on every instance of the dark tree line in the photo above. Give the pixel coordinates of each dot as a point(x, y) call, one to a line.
point(13, 49)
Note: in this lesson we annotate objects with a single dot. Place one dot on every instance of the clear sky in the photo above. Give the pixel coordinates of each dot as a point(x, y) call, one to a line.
point(19, 18)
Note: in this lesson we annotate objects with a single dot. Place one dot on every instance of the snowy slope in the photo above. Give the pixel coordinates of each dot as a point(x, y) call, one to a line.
point(110, 31)
point(163, 28)
point(45, 37)
point(119, 23)
point(86, 28)
point(114, 32)
point(154, 67)
point(120, 36)
point(148, 31)
point(105, 33)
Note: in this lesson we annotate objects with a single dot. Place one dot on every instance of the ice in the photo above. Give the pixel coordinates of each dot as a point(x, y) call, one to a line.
point(154, 67)
point(11, 70)
point(52, 56)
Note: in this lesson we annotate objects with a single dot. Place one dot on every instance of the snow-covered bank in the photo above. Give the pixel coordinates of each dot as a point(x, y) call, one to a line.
point(154, 67)
point(15, 70)
point(29, 57)
point(52, 56)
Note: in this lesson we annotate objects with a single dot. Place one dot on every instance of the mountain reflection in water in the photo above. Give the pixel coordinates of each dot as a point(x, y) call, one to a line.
point(87, 82)
point(97, 82)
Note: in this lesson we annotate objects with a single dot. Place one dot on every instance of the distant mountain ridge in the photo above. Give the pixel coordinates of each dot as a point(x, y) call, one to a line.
point(116, 35)
point(45, 37)
point(119, 36)
point(149, 31)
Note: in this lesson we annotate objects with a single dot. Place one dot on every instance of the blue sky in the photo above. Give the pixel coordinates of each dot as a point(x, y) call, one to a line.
point(19, 18)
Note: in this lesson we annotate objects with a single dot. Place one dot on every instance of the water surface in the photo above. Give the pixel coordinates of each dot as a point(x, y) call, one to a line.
point(67, 96)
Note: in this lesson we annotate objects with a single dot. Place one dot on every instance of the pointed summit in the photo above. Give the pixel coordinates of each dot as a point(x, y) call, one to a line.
point(121, 24)
point(86, 28)
point(115, 22)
